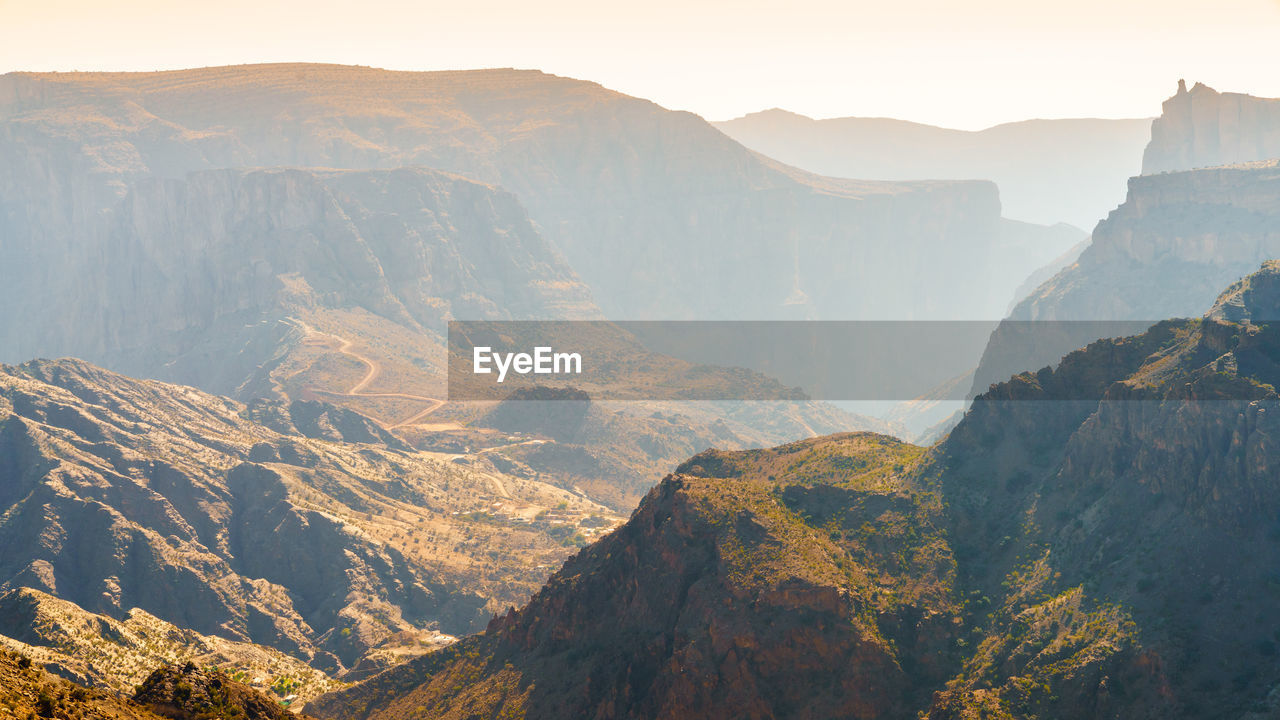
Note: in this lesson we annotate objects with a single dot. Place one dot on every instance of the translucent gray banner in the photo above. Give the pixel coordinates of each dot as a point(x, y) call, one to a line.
point(747, 360)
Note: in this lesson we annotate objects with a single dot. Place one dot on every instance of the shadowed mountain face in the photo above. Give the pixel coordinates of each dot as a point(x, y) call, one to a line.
point(1202, 127)
point(1048, 171)
point(1052, 558)
point(319, 535)
point(192, 278)
point(660, 214)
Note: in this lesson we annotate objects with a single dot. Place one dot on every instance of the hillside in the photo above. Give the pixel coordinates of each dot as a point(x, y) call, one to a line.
point(28, 692)
point(1048, 171)
point(102, 652)
point(1085, 544)
point(727, 594)
point(297, 526)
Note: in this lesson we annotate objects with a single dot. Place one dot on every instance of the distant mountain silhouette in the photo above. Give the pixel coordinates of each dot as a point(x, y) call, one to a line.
point(1048, 171)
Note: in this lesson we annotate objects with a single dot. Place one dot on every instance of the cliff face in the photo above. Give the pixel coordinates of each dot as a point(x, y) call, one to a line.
point(1202, 127)
point(124, 495)
point(1202, 215)
point(630, 192)
point(1190, 233)
point(1166, 252)
point(1054, 557)
point(220, 258)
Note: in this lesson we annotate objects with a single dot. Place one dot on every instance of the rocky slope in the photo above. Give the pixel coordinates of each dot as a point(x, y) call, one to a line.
point(1202, 127)
point(1048, 171)
point(294, 526)
point(1094, 541)
point(727, 594)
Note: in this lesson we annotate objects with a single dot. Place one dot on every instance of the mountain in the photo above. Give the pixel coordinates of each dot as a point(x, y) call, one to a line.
point(303, 232)
point(1095, 540)
point(1182, 233)
point(1048, 171)
point(1202, 127)
point(715, 600)
point(299, 526)
point(628, 191)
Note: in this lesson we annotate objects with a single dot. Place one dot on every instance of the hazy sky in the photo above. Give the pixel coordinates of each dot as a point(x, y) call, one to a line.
point(958, 64)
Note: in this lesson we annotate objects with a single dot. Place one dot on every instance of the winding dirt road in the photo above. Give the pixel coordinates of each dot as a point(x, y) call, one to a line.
point(374, 369)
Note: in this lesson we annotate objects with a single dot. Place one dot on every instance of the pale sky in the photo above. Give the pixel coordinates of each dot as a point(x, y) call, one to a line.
point(956, 64)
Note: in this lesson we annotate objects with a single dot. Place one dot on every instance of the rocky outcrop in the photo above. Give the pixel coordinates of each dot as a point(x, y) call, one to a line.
point(118, 654)
point(1202, 127)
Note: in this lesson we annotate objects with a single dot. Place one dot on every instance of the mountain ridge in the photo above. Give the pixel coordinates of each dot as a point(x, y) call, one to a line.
point(1083, 152)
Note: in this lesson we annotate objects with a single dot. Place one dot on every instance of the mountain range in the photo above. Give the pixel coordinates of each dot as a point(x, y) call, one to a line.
point(1048, 171)
point(254, 491)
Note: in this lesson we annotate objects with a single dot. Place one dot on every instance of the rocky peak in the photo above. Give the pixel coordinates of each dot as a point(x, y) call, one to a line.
point(1202, 127)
